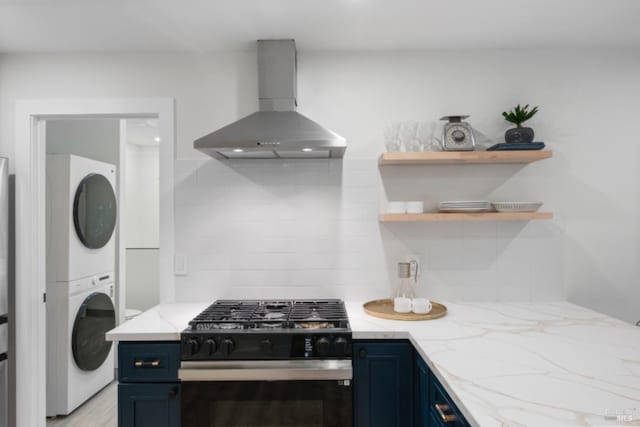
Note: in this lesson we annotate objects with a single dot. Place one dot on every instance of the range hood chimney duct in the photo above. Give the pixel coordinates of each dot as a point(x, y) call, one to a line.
point(277, 75)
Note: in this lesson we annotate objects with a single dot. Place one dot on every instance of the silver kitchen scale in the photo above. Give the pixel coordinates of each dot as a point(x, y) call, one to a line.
point(457, 135)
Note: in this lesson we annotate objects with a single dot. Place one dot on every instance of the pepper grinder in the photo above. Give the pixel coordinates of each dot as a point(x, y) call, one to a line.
point(404, 292)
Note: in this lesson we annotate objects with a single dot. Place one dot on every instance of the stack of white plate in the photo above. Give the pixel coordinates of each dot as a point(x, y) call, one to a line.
point(465, 206)
point(516, 206)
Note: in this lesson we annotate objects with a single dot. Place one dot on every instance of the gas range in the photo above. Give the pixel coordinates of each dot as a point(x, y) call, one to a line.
point(276, 363)
point(268, 330)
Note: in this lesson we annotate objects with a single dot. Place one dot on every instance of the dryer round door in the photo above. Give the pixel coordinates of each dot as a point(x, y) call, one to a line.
point(95, 317)
point(94, 211)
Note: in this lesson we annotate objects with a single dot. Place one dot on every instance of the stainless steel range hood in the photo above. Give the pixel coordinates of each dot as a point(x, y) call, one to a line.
point(277, 130)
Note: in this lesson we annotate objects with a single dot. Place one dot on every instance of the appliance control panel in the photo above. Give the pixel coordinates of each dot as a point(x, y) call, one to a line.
point(207, 346)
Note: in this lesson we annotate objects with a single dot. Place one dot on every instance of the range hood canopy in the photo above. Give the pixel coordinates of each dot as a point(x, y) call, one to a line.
point(276, 130)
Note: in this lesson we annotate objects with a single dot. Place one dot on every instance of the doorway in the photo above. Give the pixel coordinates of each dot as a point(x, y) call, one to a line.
point(102, 218)
point(29, 362)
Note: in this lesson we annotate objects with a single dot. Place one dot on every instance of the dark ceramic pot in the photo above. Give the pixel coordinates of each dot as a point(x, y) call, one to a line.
point(519, 135)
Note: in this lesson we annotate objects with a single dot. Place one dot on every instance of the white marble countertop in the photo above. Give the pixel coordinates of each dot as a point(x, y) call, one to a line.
point(504, 364)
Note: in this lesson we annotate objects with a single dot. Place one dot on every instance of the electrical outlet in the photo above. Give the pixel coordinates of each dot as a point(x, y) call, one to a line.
point(416, 259)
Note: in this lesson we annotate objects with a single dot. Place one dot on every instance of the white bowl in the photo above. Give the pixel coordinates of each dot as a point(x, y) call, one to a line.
point(397, 207)
point(415, 207)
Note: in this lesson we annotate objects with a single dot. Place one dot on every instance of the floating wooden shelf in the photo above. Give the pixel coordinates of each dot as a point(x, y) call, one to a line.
point(458, 216)
point(463, 157)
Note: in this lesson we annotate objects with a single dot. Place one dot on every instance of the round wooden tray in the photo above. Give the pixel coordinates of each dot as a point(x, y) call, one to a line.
point(383, 308)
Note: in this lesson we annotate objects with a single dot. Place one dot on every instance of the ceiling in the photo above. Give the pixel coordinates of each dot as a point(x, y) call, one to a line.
point(210, 25)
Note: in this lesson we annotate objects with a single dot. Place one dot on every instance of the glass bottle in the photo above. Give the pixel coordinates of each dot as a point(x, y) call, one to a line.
point(405, 291)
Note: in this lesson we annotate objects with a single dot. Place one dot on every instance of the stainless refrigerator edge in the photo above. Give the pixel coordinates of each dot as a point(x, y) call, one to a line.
point(4, 305)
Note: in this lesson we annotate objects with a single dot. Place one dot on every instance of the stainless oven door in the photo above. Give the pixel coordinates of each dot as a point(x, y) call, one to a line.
point(306, 393)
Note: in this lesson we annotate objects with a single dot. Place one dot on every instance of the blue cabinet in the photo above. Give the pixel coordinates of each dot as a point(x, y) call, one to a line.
point(392, 386)
point(148, 389)
point(421, 393)
point(383, 383)
point(441, 407)
point(433, 406)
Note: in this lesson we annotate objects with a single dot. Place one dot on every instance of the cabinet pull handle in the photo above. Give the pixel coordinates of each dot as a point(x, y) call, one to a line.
point(362, 353)
point(145, 364)
point(447, 418)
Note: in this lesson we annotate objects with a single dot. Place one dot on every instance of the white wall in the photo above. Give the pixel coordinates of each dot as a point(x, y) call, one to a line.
point(293, 229)
point(93, 139)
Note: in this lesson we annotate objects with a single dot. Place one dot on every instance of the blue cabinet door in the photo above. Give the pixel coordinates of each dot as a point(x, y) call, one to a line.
point(149, 405)
point(421, 416)
point(433, 406)
point(444, 412)
point(383, 384)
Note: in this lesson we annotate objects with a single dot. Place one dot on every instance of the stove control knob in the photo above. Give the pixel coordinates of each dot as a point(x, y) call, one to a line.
point(323, 346)
point(266, 346)
point(211, 346)
point(341, 345)
point(192, 346)
point(228, 346)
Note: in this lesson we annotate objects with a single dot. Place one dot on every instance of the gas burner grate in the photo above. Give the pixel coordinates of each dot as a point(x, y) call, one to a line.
point(332, 310)
point(272, 314)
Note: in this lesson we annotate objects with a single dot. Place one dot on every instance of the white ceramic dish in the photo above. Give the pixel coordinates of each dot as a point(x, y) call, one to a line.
point(465, 202)
point(397, 207)
point(464, 209)
point(402, 305)
point(516, 206)
point(465, 206)
point(415, 207)
point(421, 305)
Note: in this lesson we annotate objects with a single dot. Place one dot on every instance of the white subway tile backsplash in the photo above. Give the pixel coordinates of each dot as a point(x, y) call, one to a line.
point(324, 244)
point(359, 178)
point(285, 229)
point(272, 245)
point(276, 292)
point(186, 170)
point(209, 261)
point(349, 229)
point(514, 269)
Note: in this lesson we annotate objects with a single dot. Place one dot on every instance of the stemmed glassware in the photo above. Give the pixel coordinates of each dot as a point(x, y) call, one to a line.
point(427, 132)
point(392, 137)
point(411, 137)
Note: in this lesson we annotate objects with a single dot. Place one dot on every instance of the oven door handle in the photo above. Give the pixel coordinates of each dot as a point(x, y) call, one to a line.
point(277, 370)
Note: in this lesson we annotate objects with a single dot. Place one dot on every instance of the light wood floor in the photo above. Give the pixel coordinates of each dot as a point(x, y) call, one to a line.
point(99, 411)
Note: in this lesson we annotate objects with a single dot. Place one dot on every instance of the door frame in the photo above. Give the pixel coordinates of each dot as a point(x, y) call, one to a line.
point(30, 258)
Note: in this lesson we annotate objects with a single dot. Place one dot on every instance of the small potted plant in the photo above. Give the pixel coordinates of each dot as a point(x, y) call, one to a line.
point(518, 116)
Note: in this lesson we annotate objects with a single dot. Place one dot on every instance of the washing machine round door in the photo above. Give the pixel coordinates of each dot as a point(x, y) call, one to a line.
point(95, 317)
point(94, 211)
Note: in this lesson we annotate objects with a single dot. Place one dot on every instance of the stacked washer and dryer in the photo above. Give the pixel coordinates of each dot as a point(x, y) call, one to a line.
point(81, 218)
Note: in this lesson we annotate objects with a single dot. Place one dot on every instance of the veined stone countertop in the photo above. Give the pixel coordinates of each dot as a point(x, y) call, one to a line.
point(503, 363)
